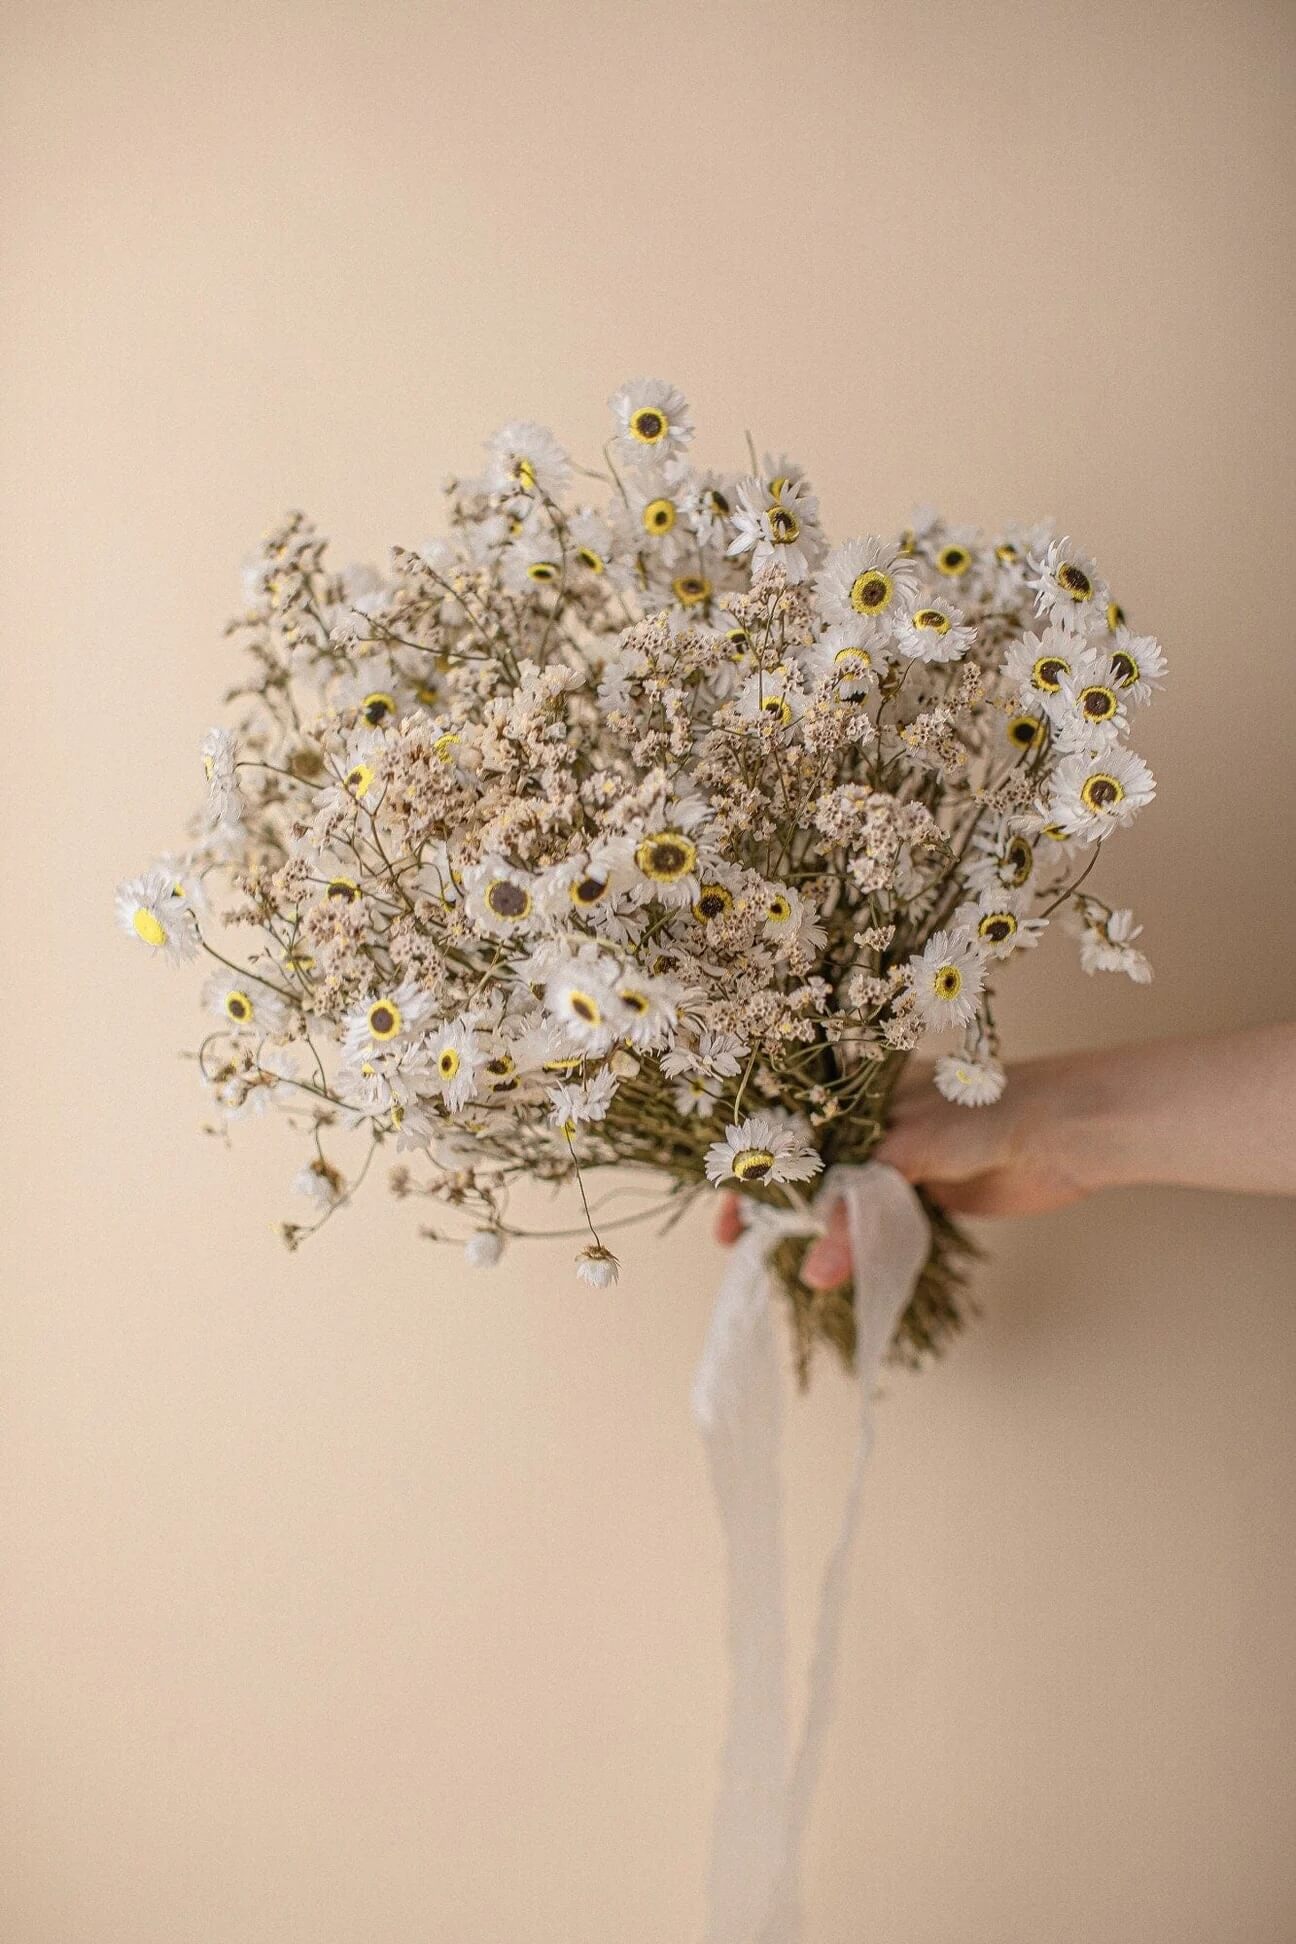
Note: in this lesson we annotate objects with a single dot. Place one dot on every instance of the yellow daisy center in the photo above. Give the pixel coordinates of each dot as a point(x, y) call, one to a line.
point(345, 889)
point(713, 901)
point(1098, 704)
point(690, 589)
point(444, 746)
point(543, 570)
point(1101, 793)
point(633, 1000)
point(1025, 731)
point(239, 1007)
point(524, 472)
point(448, 1062)
point(359, 779)
point(933, 619)
point(1018, 862)
point(659, 516)
point(871, 591)
point(585, 1007)
point(1047, 673)
point(1125, 668)
point(953, 561)
point(1074, 581)
point(666, 856)
point(778, 910)
point(149, 926)
point(1115, 615)
point(784, 526)
point(588, 558)
point(586, 892)
point(377, 706)
point(648, 425)
point(752, 1164)
point(948, 982)
point(997, 926)
point(507, 899)
point(384, 1019)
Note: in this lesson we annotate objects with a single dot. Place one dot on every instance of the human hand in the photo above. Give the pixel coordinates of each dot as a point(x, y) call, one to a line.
point(1035, 1149)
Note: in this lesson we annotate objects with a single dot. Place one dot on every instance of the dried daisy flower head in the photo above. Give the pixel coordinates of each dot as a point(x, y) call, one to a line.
point(632, 823)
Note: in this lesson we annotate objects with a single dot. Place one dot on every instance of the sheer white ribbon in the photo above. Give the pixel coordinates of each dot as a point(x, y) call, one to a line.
point(764, 1800)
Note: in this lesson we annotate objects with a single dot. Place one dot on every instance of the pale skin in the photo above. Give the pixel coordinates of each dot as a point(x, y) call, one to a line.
point(1216, 1112)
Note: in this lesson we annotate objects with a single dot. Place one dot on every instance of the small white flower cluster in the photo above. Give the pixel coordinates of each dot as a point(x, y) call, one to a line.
point(610, 821)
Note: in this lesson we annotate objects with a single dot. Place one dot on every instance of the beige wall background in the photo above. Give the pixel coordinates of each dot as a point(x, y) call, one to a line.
point(347, 1597)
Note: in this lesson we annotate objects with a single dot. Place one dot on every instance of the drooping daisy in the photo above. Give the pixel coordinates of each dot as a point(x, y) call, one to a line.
point(1107, 942)
point(934, 632)
point(1091, 795)
point(777, 530)
point(246, 1005)
point(597, 1266)
point(499, 897)
point(970, 1079)
point(526, 458)
point(454, 1056)
point(866, 581)
point(572, 1103)
point(152, 910)
point(1068, 587)
point(652, 420)
point(697, 1097)
point(946, 978)
point(224, 797)
point(484, 1248)
point(762, 1148)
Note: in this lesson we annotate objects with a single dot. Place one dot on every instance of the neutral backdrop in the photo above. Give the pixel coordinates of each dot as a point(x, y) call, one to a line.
point(347, 1597)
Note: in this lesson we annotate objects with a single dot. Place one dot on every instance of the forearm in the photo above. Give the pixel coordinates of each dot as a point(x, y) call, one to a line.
point(1217, 1112)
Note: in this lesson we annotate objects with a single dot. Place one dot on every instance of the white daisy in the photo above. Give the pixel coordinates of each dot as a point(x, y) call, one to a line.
point(246, 1005)
point(652, 420)
point(946, 978)
point(1035, 666)
point(579, 997)
point(1000, 923)
point(709, 507)
point(1087, 710)
point(772, 695)
point(847, 658)
point(777, 530)
point(1068, 587)
point(934, 632)
point(647, 1008)
point(1138, 664)
point(387, 1022)
point(867, 581)
point(454, 1056)
point(526, 458)
point(1090, 795)
point(500, 898)
point(154, 911)
point(970, 1079)
point(665, 854)
point(762, 1148)
point(657, 498)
